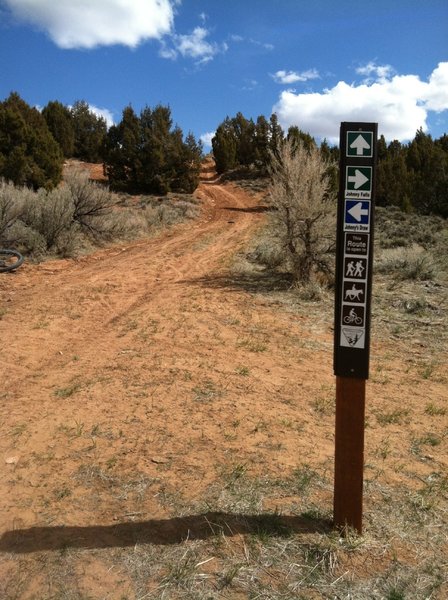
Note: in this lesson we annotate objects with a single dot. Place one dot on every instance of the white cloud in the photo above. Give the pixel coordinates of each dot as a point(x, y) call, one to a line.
point(264, 45)
point(250, 84)
point(91, 23)
point(288, 77)
point(239, 38)
point(206, 138)
point(166, 51)
point(381, 72)
point(399, 105)
point(194, 45)
point(436, 93)
point(103, 112)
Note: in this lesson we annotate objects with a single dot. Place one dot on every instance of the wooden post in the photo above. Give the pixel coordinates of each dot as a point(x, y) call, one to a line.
point(353, 290)
point(349, 452)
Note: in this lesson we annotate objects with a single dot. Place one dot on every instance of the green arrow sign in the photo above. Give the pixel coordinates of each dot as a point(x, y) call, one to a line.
point(359, 179)
point(360, 144)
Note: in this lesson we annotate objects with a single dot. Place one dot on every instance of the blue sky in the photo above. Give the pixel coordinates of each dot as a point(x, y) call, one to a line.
point(314, 63)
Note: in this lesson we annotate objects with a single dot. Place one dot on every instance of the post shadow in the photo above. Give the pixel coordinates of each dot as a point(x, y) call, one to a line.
point(157, 531)
point(251, 209)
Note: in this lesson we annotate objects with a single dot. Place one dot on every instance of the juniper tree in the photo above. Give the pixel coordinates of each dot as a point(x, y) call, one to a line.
point(29, 155)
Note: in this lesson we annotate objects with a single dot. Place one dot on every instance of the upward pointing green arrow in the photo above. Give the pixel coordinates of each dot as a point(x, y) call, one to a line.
point(360, 144)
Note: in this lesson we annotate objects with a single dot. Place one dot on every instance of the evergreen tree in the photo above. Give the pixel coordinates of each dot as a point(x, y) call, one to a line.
point(261, 141)
point(276, 135)
point(29, 155)
point(90, 132)
point(428, 172)
point(156, 145)
point(143, 154)
point(121, 152)
point(331, 159)
point(59, 121)
point(393, 186)
point(442, 143)
point(381, 148)
point(244, 131)
point(186, 162)
point(297, 136)
point(224, 147)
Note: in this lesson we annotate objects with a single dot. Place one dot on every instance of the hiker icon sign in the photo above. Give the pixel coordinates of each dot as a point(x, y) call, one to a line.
point(355, 268)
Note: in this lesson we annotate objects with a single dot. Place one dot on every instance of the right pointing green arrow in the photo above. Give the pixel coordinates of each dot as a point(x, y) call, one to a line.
point(358, 179)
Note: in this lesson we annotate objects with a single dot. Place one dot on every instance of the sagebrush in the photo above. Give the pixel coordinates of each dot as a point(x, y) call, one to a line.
point(303, 217)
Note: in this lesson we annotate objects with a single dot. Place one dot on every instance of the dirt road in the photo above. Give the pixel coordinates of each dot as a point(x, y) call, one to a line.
point(139, 381)
point(142, 359)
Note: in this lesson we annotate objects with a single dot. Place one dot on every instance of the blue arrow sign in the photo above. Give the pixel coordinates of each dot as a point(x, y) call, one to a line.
point(357, 212)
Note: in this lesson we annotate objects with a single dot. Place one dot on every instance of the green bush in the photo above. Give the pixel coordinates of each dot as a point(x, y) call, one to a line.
point(394, 228)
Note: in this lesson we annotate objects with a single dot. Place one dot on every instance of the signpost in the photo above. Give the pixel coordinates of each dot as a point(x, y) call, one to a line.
point(354, 248)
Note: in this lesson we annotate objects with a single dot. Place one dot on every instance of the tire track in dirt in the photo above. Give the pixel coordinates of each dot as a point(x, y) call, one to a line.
point(143, 381)
point(72, 307)
point(88, 338)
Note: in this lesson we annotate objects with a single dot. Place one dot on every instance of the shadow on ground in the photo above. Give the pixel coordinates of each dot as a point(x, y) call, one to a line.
point(158, 531)
point(258, 281)
point(250, 209)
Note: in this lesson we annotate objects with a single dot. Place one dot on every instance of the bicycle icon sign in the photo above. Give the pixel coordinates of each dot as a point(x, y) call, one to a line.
point(353, 315)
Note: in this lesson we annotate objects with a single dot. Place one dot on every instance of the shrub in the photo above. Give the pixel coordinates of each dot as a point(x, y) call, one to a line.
point(303, 219)
point(11, 207)
point(77, 213)
point(50, 214)
point(395, 228)
point(268, 253)
point(92, 203)
point(407, 263)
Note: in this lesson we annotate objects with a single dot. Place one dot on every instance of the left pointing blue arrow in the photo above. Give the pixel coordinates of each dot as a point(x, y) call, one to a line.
point(357, 211)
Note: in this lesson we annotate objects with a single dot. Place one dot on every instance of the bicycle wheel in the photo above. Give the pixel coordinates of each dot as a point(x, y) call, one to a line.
point(9, 260)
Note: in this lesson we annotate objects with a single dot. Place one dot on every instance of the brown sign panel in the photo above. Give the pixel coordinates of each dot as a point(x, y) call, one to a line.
point(354, 254)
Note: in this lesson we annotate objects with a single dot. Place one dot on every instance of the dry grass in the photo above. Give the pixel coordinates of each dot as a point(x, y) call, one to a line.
point(229, 546)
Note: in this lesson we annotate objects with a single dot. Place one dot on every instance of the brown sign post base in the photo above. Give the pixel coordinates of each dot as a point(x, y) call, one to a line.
point(349, 453)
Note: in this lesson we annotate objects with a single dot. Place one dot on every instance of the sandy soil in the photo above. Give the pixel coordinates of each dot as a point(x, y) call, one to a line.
point(133, 377)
